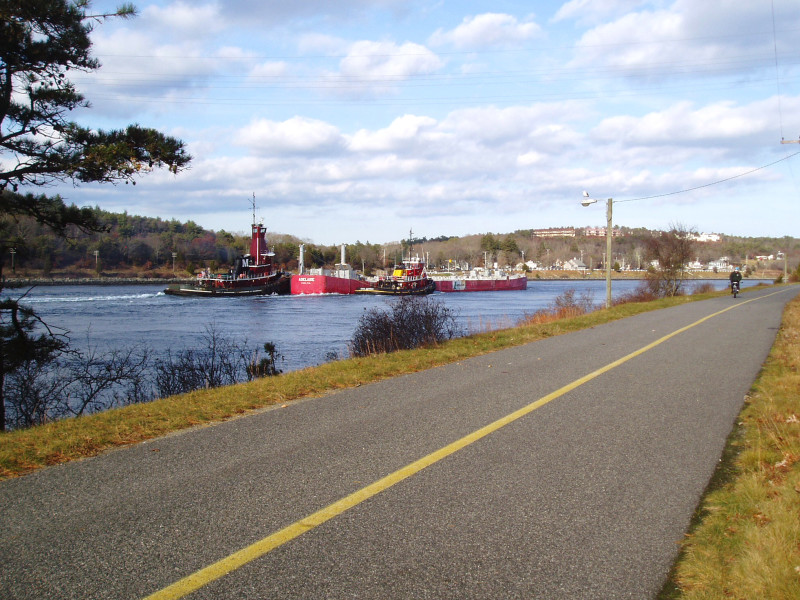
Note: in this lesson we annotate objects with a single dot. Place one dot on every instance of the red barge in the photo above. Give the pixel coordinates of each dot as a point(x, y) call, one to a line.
point(343, 279)
point(480, 280)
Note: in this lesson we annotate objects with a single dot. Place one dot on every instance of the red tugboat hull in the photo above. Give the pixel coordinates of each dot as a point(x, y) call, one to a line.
point(428, 287)
point(279, 285)
point(253, 274)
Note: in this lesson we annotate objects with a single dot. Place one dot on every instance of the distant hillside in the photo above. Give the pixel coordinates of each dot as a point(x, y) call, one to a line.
point(152, 247)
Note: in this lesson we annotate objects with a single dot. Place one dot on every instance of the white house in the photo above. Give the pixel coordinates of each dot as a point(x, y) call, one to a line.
point(575, 264)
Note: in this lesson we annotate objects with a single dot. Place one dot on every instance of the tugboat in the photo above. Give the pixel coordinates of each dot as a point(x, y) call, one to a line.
point(253, 274)
point(408, 278)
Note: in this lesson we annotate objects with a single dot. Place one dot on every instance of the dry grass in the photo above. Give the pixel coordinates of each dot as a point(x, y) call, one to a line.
point(565, 306)
point(703, 288)
point(746, 544)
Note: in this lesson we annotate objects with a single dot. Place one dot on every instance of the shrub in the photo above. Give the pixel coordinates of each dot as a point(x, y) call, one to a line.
point(219, 361)
point(410, 322)
point(564, 306)
point(267, 366)
point(644, 292)
point(704, 288)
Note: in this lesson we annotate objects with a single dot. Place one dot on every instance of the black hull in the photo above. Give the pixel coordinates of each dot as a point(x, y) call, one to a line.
point(279, 286)
point(428, 288)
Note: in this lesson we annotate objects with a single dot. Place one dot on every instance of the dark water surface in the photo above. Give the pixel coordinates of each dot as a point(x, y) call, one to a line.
point(307, 330)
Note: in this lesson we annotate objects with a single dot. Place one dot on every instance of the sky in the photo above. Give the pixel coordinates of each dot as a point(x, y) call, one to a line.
point(363, 120)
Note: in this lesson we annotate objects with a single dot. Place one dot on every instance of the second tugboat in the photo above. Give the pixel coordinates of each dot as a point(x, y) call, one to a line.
point(408, 278)
point(253, 274)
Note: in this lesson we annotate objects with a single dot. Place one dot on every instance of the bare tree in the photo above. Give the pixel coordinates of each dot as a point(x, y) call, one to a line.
point(219, 361)
point(669, 253)
point(48, 387)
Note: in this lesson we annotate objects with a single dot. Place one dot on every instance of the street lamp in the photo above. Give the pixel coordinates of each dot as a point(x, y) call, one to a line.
point(586, 202)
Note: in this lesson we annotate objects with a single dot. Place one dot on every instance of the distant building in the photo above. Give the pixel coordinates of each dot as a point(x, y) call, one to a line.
point(600, 232)
point(721, 264)
point(554, 232)
point(696, 265)
point(575, 264)
point(706, 237)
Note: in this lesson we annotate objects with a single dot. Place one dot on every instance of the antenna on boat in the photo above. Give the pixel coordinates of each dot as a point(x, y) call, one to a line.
point(254, 208)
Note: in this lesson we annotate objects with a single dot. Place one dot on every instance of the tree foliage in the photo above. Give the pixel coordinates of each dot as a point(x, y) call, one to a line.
point(41, 41)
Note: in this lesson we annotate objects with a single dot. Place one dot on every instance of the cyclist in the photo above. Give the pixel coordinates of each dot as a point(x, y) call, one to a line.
point(736, 278)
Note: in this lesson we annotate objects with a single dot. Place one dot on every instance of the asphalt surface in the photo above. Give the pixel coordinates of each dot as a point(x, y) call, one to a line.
point(587, 496)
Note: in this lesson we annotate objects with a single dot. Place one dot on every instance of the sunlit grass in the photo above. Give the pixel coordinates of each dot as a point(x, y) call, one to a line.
point(746, 543)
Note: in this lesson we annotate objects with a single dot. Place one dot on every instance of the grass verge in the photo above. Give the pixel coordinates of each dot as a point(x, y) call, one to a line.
point(26, 450)
point(744, 542)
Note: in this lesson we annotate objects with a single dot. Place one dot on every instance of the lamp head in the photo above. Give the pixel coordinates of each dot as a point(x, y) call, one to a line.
point(586, 200)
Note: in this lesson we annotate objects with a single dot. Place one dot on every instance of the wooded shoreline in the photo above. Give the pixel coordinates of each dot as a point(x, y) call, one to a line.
point(541, 275)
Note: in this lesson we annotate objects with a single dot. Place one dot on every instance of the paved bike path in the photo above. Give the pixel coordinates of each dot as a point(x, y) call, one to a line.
point(583, 496)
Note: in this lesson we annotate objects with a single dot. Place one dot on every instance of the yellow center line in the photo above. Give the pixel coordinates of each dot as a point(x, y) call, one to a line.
point(238, 559)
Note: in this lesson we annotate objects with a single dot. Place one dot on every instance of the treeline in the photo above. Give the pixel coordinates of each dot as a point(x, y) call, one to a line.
point(150, 246)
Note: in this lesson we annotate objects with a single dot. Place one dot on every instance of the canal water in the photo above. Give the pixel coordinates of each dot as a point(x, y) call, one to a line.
point(306, 330)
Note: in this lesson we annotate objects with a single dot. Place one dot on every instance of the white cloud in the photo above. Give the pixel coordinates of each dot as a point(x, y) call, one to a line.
point(372, 68)
point(320, 43)
point(402, 132)
point(515, 125)
point(280, 12)
point(592, 11)
point(682, 124)
point(297, 135)
point(184, 20)
point(687, 38)
point(487, 30)
point(386, 60)
point(368, 130)
point(270, 69)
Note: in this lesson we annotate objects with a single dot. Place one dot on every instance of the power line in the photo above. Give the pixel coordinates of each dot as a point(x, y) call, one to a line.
point(710, 184)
